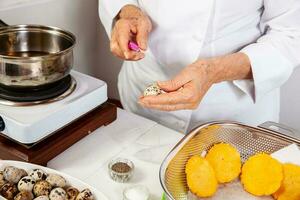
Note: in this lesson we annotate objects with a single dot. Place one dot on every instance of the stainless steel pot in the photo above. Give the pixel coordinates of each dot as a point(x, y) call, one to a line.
point(34, 55)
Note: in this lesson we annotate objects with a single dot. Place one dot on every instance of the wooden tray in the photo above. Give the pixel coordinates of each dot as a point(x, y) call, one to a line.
point(45, 150)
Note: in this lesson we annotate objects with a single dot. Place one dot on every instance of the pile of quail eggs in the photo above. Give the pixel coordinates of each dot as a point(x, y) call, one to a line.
point(17, 184)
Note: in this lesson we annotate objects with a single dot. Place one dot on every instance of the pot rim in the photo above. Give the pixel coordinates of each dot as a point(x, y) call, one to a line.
point(37, 28)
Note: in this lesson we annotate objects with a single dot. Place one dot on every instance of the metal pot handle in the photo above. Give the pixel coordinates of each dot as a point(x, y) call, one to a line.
point(282, 129)
point(2, 23)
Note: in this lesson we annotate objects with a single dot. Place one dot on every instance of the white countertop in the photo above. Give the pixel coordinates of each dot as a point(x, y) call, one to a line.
point(142, 141)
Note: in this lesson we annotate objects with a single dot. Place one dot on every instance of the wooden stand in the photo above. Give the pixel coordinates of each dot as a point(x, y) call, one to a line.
point(42, 152)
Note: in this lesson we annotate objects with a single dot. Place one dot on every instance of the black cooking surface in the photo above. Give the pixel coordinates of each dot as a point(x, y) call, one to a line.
point(40, 93)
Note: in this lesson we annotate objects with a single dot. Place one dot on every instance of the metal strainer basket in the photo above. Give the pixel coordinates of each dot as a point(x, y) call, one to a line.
point(269, 137)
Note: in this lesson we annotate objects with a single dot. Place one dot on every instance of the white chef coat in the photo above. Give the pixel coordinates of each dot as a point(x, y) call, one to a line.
point(268, 31)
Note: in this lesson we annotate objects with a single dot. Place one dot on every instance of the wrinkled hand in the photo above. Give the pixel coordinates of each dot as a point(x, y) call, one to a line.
point(185, 91)
point(132, 25)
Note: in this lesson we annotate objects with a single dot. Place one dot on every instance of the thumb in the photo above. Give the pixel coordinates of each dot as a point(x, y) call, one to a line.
point(176, 83)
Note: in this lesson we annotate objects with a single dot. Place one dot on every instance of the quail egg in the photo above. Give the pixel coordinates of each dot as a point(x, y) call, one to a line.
point(44, 197)
point(24, 195)
point(85, 194)
point(152, 90)
point(72, 193)
point(56, 180)
point(42, 188)
point(2, 180)
point(38, 174)
point(58, 194)
point(13, 174)
point(8, 191)
point(26, 183)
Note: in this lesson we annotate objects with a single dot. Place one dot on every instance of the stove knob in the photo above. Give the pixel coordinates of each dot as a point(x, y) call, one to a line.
point(2, 124)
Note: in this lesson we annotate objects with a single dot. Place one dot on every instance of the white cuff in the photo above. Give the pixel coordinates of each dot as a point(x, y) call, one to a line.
point(270, 69)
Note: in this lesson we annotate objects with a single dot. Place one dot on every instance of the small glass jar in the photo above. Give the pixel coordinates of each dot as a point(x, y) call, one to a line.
point(121, 169)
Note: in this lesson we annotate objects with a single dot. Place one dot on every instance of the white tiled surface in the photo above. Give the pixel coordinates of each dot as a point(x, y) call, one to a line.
point(143, 141)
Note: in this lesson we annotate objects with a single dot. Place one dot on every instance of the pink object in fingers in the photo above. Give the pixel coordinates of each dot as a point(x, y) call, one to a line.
point(133, 46)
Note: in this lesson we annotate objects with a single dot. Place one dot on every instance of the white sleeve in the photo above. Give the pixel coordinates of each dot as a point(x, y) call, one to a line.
point(275, 54)
point(109, 9)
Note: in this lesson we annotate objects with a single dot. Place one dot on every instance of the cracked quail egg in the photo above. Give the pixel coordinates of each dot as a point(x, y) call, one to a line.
point(38, 174)
point(56, 180)
point(85, 194)
point(58, 194)
point(72, 193)
point(26, 183)
point(42, 188)
point(13, 174)
point(152, 90)
point(24, 195)
point(8, 191)
point(44, 197)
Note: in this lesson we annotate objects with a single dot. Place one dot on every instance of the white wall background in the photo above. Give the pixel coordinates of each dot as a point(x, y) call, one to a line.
point(81, 18)
point(92, 54)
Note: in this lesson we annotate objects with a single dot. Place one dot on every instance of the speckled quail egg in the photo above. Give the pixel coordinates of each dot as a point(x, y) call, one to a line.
point(44, 197)
point(152, 90)
point(56, 180)
point(38, 174)
point(42, 188)
point(2, 180)
point(72, 193)
point(13, 174)
point(8, 191)
point(24, 195)
point(85, 194)
point(26, 183)
point(58, 194)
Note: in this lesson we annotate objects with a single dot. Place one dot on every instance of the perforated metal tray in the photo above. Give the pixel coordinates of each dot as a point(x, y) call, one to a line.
point(268, 137)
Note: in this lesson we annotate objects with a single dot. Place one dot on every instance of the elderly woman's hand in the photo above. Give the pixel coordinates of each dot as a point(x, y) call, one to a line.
point(131, 25)
point(186, 90)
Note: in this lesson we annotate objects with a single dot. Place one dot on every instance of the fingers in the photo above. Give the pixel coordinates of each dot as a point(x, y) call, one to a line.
point(143, 29)
point(186, 98)
point(167, 98)
point(177, 82)
point(115, 48)
point(121, 36)
point(171, 107)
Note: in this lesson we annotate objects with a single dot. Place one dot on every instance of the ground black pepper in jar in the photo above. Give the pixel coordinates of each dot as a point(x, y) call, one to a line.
point(121, 170)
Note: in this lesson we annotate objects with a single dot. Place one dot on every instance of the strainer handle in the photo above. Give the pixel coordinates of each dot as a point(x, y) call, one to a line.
point(280, 128)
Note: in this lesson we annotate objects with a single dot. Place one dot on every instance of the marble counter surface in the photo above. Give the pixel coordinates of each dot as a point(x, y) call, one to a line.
point(142, 141)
